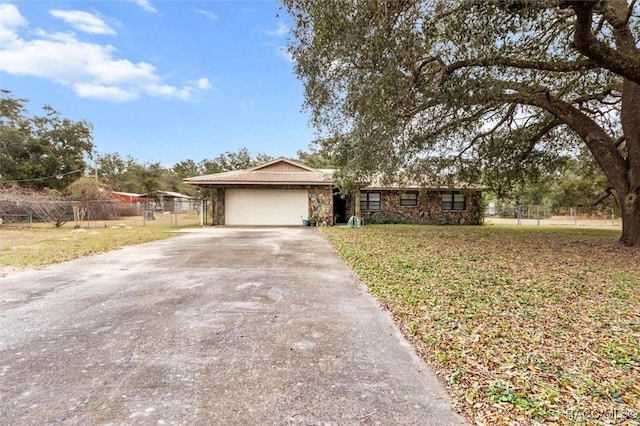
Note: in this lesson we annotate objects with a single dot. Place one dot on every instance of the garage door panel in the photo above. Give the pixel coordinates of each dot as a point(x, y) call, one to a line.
point(266, 206)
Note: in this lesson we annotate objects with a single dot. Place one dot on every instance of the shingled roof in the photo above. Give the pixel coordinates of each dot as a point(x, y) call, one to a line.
point(280, 171)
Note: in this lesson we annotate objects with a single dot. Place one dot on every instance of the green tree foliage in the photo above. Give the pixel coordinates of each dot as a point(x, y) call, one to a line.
point(230, 161)
point(225, 162)
point(577, 183)
point(317, 157)
point(503, 89)
point(117, 172)
point(581, 184)
point(186, 168)
point(127, 174)
point(39, 152)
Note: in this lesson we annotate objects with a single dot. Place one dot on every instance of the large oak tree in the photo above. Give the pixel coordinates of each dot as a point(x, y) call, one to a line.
point(501, 87)
point(38, 152)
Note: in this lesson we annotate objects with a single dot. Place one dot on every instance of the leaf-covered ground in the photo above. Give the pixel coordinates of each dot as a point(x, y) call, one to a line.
point(525, 325)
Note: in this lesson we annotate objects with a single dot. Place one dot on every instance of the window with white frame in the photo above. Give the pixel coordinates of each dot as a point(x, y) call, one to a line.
point(453, 201)
point(370, 201)
point(408, 199)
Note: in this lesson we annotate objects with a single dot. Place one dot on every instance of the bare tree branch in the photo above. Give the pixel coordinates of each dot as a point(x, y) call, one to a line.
point(608, 192)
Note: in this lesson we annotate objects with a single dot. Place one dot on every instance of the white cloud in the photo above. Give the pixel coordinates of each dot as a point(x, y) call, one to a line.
point(203, 84)
point(102, 92)
point(249, 104)
point(146, 5)
point(208, 14)
point(91, 70)
point(10, 21)
point(83, 21)
point(282, 30)
point(166, 91)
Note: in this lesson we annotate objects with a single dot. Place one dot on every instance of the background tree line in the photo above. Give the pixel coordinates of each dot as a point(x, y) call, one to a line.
point(49, 153)
point(127, 174)
point(41, 151)
point(54, 154)
point(576, 183)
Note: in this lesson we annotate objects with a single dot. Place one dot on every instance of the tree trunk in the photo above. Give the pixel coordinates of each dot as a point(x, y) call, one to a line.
point(629, 198)
point(630, 206)
point(79, 213)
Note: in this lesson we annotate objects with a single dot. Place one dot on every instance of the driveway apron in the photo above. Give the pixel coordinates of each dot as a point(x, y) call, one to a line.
point(228, 326)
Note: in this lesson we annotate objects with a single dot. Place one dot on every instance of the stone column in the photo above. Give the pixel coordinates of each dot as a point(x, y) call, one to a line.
point(218, 215)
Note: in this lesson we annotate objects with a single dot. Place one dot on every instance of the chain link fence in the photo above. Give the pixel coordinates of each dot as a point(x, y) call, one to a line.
point(104, 213)
point(540, 215)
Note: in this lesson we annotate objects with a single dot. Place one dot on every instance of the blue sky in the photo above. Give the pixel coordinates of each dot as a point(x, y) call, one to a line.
point(162, 81)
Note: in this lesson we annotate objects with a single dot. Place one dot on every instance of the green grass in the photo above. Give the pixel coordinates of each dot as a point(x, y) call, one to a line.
point(42, 246)
point(524, 325)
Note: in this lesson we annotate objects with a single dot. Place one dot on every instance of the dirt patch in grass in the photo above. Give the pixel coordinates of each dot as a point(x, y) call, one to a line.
point(525, 325)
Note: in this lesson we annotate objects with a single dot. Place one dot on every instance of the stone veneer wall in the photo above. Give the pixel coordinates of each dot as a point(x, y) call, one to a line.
point(427, 211)
point(321, 204)
point(218, 209)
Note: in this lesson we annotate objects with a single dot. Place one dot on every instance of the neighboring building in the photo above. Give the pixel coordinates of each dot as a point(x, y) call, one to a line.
point(175, 202)
point(165, 201)
point(130, 197)
point(285, 192)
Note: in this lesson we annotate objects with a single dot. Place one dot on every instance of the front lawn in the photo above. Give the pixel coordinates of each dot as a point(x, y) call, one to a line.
point(524, 325)
point(42, 246)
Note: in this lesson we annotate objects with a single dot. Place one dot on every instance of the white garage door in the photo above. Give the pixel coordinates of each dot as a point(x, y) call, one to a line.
point(266, 206)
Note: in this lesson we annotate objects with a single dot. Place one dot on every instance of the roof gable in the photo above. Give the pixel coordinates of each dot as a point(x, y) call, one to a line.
point(282, 165)
point(171, 194)
point(127, 194)
point(280, 171)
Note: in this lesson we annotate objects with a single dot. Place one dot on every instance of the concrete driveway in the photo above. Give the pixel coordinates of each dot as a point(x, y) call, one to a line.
point(216, 326)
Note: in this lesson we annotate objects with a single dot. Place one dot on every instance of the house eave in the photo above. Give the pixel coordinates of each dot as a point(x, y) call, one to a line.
point(420, 188)
point(257, 183)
